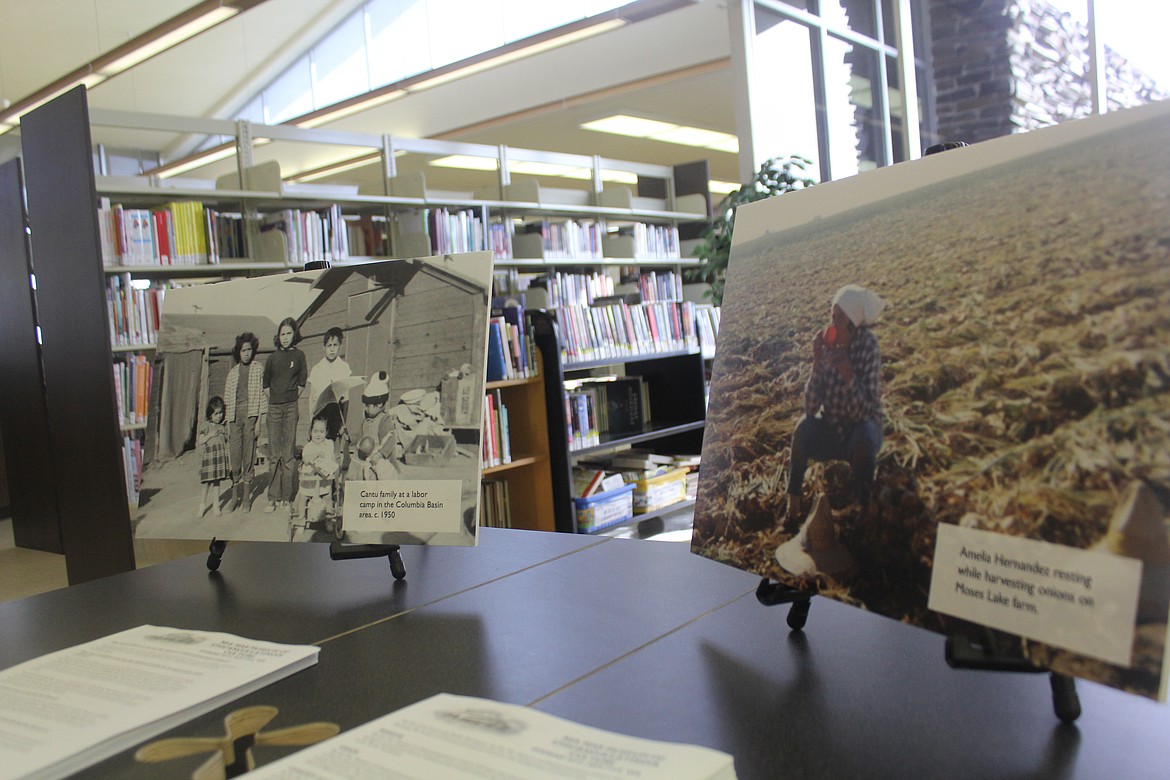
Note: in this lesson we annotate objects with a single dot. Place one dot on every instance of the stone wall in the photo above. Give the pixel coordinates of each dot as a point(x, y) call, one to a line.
point(1007, 66)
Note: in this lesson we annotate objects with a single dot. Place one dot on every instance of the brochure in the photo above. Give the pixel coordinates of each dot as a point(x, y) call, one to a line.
point(462, 738)
point(67, 710)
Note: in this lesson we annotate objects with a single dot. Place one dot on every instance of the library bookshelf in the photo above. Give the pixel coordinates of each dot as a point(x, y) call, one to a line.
point(673, 385)
point(394, 215)
point(527, 477)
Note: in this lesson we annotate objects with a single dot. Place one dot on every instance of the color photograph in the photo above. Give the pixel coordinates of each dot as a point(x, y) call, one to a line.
point(331, 405)
point(978, 338)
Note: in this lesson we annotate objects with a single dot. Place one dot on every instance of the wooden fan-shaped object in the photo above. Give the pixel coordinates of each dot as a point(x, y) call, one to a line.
point(232, 753)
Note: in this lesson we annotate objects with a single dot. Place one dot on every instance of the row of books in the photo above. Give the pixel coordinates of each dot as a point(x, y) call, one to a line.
point(707, 323)
point(644, 242)
point(368, 235)
point(568, 289)
point(132, 388)
point(495, 509)
point(464, 231)
point(178, 233)
point(511, 350)
point(497, 439)
point(309, 236)
point(134, 311)
point(660, 286)
point(511, 282)
point(454, 231)
point(619, 329)
point(604, 405)
point(132, 466)
point(568, 239)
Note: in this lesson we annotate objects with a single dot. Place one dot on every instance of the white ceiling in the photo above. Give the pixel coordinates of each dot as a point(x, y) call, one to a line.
point(674, 67)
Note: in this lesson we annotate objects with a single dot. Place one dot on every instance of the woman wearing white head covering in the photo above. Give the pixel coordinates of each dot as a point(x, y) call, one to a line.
point(842, 400)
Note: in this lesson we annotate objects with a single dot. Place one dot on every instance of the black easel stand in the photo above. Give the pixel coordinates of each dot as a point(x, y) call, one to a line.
point(771, 594)
point(346, 552)
point(992, 653)
point(337, 552)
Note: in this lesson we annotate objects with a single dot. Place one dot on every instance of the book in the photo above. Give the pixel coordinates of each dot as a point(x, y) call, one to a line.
point(73, 708)
point(448, 735)
point(497, 363)
point(586, 482)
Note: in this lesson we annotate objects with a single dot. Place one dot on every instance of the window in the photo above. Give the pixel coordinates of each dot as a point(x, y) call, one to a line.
point(825, 83)
point(389, 40)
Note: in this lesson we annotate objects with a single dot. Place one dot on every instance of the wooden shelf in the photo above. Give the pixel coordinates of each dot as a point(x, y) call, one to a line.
point(528, 474)
point(515, 463)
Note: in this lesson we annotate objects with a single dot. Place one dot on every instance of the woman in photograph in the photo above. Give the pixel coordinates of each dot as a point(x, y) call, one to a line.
point(842, 400)
point(285, 375)
point(246, 405)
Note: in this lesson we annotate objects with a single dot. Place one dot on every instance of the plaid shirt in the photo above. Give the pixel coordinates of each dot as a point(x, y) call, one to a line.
point(846, 403)
point(257, 398)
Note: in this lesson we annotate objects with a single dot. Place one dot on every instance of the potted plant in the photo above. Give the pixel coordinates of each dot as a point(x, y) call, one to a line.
point(775, 177)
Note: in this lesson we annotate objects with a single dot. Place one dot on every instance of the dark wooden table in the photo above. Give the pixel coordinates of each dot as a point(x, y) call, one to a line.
point(639, 637)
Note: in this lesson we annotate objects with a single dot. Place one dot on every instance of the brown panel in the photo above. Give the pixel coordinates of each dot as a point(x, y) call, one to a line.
point(23, 416)
point(79, 380)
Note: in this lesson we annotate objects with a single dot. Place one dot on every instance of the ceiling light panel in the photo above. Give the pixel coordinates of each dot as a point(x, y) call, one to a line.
point(655, 130)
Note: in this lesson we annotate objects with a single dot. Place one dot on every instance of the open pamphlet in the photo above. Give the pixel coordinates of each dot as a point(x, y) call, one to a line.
point(73, 708)
point(461, 738)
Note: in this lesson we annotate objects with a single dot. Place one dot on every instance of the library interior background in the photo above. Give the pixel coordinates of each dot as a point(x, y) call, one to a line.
point(847, 85)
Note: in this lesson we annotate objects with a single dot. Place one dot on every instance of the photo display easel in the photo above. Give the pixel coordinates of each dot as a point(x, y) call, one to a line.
point(375, 370)
point(940, 395)
point(337, 552)
point(989, 653)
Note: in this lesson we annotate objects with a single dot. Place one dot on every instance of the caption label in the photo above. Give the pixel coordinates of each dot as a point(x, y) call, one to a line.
point(1079, 600)
point(413, 506)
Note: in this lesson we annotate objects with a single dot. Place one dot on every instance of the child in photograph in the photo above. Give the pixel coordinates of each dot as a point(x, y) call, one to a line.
point(318, 467)
point(214, 467)
point(327, 370)
point(285, 374)
point(246, 404)
point(380, 426)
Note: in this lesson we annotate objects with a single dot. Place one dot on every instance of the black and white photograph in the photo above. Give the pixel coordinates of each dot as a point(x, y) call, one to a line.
point(332, 405)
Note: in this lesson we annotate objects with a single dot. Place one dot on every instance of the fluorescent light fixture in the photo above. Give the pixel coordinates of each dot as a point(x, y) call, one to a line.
point(196, 161)
point(656, 130)
point(618, 177)
point(465, 161)
point(165, 40)
point(543, 168)
point(347, 108)
point(341, 166)
point(199, 159)
point(723, 187)
point(730, 145)
point(473, 163)
point(181, 27)
point(512, 55)
point(633, 126)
